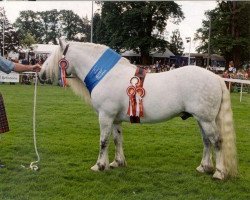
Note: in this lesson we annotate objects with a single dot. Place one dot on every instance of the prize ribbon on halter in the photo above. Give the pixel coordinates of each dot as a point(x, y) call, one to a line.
point(63, 64)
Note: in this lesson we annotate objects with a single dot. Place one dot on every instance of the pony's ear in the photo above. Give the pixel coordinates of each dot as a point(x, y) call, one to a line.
point(62, 43)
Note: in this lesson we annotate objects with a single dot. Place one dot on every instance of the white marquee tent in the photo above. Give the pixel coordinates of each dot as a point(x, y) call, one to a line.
point(44, 48)
point(165, 54)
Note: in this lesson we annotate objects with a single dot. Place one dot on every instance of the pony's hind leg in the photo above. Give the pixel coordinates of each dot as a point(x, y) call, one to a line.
point(119, 160)
point(211, 131)
point(206, 162)
point(106, 124)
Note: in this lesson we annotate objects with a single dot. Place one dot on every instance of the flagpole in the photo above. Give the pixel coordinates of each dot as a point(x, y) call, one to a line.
point(91, 36)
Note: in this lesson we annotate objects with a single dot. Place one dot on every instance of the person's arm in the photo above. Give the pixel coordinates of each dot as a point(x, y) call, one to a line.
point(7, 66)
point(24, 68)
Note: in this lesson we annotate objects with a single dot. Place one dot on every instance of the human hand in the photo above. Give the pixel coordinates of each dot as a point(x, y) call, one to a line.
point(36, 68)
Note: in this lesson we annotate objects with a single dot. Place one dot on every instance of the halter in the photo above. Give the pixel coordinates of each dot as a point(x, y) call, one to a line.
point(65, 50)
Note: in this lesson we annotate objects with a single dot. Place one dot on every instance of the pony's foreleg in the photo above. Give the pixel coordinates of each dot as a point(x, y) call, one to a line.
point(206, 162)
point(106, 124)
point(119, 160)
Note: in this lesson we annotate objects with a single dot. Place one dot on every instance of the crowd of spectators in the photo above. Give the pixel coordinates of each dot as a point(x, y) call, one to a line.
point(240, 74)
point(230, 72)
point(158, 67)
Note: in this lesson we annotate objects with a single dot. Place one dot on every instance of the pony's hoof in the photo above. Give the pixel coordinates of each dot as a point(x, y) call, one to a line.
point(219, 175)
point(204, 169)
point(95, 168)
point(99, 167)
point(200, 169)
point(116, 164)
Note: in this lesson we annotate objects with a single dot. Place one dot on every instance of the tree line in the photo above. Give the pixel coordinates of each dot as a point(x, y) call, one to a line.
point(138, 26)
point(131, 25)
point(43, 27)
point(230, 31)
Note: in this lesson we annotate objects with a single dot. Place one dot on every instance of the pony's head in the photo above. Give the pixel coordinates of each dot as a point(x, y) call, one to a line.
point(50, 68)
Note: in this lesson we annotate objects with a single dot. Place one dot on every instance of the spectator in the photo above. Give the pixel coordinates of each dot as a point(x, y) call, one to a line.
point(157, 66)
point(231, 67)
point(248, 72)
point(172, 67)
point(226, 74)
point(240, 74)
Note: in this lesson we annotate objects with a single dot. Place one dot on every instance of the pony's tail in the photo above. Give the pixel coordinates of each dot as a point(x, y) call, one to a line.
point(79, 89)
point(225, 124)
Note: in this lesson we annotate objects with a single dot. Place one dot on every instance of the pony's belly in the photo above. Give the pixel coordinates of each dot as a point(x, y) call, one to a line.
point(149, 118)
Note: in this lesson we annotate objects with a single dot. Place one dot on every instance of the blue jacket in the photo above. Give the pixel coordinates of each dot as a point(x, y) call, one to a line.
point(6, 65)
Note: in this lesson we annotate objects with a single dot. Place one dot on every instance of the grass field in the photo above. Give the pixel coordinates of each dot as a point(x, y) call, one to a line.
point(161, 158)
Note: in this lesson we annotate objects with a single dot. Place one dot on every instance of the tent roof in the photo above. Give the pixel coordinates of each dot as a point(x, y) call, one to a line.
point(165, 54)
point(44, 48)
point(215, 57)
point(130, 53)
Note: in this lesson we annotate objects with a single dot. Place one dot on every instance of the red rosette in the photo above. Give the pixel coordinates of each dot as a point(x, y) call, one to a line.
point(135, 81)
point(131, 91)
point(140, 91)
point(63, 63)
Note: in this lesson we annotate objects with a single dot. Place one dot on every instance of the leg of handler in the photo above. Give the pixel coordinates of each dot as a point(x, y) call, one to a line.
point(4, 127)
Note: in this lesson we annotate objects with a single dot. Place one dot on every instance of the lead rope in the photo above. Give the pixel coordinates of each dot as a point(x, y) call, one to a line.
point(33, 165)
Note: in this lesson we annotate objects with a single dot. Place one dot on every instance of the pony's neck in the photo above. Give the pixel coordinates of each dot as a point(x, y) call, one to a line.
point(84, 55)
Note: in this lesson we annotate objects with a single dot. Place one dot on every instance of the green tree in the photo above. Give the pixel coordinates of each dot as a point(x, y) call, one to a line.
point(28, 40)
point(176, 43)
point(37, 24)
point(47, 26)
point(137, 25)
point(99, 30)
point(9, 40)
point(86, 29)
point(29, 22)
point(230, 31)
point(71, 24)
point(50, 24)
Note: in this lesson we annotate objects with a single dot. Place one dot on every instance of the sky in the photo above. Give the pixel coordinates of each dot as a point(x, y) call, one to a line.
point(193, 12)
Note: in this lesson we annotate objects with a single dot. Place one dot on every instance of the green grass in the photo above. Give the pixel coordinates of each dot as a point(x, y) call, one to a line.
point(161, 157)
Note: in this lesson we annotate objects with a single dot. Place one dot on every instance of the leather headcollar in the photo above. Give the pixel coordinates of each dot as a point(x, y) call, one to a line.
point(65, 50)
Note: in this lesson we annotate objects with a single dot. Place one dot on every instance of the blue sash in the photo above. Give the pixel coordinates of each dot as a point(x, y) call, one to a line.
point(103, 65)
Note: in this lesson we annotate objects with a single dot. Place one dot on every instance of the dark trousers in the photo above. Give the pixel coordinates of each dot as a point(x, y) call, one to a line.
point(4, 127)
